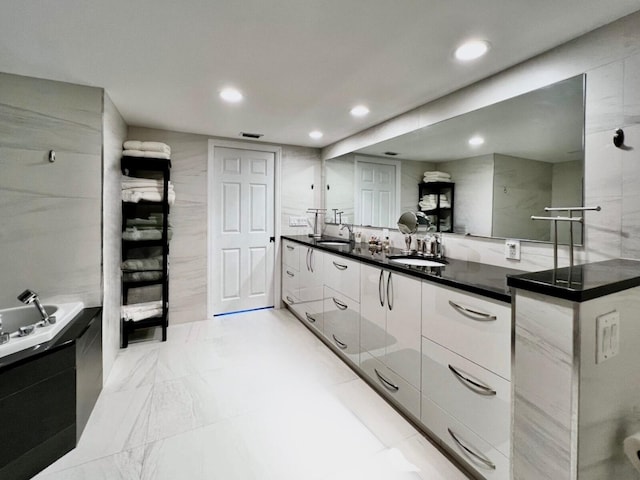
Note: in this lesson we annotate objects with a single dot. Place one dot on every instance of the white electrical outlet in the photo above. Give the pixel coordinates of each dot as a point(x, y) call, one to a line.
point(512, 249)
point(607, 336)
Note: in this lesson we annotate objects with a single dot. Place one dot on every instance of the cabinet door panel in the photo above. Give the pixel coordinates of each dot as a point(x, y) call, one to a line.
point(404, 325)
point(311, 274)
point(391, 385)
point(311, 313)
point(342, 324)
point(342, 275)
point(474, 327)
point(475, 452)
point(290, 282)
point(291, 254)
point(478, 398)
point(373, 313)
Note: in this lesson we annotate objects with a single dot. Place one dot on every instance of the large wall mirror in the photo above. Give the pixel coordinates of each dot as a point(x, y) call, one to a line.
point(531, 157)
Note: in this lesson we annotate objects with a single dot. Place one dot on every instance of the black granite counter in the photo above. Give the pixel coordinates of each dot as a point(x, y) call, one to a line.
point(487, 280)
point(581, 282)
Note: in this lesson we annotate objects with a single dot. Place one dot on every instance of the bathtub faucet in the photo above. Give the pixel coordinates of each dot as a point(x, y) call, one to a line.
point(27, 297)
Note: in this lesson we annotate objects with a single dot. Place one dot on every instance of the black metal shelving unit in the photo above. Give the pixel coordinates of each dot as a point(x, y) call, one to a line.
point(145, 168)
point(439, 214)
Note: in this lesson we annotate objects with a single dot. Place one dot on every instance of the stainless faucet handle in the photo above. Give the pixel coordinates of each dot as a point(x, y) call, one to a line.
point(27, 296)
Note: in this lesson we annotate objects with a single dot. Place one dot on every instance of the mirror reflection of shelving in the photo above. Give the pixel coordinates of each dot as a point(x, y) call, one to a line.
point(435, 200)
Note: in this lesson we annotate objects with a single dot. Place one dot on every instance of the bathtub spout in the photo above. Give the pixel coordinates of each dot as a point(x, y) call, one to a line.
point(28, 297)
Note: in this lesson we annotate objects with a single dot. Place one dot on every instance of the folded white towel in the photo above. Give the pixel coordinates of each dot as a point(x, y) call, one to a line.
point(134, 196)
point(140, 264)
point(147, 146)
point(145, 154)
point(436, 172)
point(140, 311)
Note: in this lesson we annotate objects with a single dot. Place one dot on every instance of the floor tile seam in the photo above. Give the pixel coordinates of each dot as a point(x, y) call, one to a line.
point(89, 461)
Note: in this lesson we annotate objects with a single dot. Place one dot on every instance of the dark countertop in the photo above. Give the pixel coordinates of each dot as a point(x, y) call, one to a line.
point(589, 281)
point(69, 334)
point(487, 280)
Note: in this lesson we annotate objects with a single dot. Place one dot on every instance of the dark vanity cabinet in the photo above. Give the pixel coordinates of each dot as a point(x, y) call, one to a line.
point(435, 200)
point(145, 243)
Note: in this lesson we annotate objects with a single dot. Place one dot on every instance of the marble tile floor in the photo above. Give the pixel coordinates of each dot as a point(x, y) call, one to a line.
point(246, 396)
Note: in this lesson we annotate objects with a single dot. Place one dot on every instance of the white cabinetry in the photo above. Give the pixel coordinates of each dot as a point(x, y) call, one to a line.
point(466, 372)
point(309, 304)
point(342, 324)
point(290, 272)
point(390, 320)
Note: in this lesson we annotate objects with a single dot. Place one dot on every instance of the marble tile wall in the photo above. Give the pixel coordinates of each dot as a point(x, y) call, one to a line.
point(114, 133)
point(520, 185)
point(544, 406)
point(609, 408)
point(473, 197)
point(301, 168)
point(50, 212)
point(610, 56)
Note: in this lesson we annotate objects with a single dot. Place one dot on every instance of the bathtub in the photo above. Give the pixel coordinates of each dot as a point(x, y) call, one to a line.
point(14, 318)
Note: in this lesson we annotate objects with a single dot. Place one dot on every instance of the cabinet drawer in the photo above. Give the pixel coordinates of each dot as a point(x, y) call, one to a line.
point(342, 275)
point(291, 254)
point(290, 285)
point(392, 384)
point(478, 454)
point(478, 398)
point(341, 316)
point(473, 326)
point(310, 313)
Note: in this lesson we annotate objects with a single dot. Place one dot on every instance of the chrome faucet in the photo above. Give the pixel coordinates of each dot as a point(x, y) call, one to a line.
point(352, 237)
point(27, 297)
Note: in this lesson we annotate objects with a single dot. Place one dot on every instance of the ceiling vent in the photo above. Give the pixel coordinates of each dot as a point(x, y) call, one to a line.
point(251, 135)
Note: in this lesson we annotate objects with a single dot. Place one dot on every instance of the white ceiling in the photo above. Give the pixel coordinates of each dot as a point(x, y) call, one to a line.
point(302, 64)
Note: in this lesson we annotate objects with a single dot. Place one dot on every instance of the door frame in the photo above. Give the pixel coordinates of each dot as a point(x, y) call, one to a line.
point(277, 154)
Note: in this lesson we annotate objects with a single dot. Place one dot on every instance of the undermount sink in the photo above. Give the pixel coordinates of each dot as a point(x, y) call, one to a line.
point(332, 242)
point(417, 261)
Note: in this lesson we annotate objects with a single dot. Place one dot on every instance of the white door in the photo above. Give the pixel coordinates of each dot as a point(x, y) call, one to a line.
point(242, 223)
point(377, 194)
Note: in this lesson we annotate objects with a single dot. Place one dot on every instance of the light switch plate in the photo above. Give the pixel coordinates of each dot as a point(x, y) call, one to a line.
point(297, 221)
point(512, 249)
point(607, 336)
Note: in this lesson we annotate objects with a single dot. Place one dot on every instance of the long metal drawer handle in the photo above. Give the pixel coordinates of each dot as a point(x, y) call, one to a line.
point(311, 259)
point(381, 288)
point(290, 300)
point(339, 304)
point(479, 456)
point(310, 318)
point(339, 266)
point(387, 384)
point(290, 247)
point(343, 346)
point(308, 265)
point(389, 295)
point(485, 390)
point(290, 274)
point(486, 316)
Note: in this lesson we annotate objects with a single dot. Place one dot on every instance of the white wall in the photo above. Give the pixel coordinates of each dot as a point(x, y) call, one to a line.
point(50, 212)
point(610, 56)
point(114, 133)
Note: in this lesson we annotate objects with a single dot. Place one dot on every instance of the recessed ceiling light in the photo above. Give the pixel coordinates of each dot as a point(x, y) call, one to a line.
point(316, 134)
point(359, 111)
point(471, 50)
point(231, 95)
point(475, 141)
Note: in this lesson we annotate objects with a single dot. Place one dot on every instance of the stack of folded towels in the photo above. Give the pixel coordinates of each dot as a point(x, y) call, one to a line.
point(135, 189)
point(436, 176)
point(142, 269)
point(136, 148)
point(140, 311)
point(145, 228)
point(430, 202)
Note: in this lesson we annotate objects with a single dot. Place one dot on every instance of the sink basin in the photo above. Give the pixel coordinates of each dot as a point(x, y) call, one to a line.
point(333, 242)
point(417, 261)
